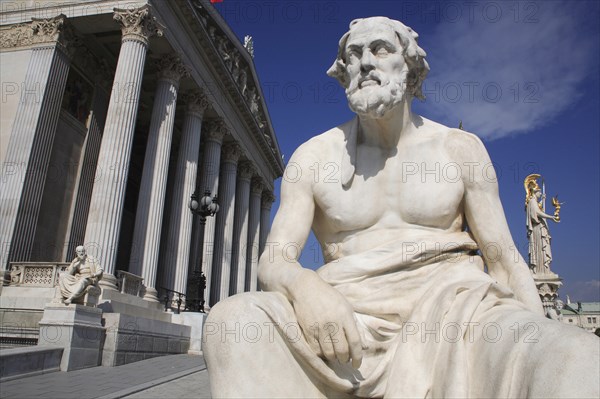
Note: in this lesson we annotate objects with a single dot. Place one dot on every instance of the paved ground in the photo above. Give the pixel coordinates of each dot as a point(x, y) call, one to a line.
point(177, 376)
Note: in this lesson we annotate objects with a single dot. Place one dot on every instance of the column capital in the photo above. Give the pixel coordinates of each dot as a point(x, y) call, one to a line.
point(231, 152)
point(196, 101)
point(257, 186)
point(54, 30)
point(267, 199)
point(246, 170)
point(137, 24)
point(170, 67)
point(215, 130)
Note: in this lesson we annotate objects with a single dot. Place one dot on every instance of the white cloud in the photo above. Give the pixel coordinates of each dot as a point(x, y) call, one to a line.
point(508, 77)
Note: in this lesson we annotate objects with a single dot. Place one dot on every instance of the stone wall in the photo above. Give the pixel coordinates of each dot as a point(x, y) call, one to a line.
point(130, 339)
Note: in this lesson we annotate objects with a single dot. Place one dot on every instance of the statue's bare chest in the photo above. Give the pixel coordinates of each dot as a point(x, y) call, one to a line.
point(417, 186)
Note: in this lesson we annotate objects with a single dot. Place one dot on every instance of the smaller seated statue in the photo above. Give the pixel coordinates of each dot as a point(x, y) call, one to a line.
point(81, 277)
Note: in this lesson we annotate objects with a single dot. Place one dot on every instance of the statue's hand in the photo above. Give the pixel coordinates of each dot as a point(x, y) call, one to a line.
point(326, 319)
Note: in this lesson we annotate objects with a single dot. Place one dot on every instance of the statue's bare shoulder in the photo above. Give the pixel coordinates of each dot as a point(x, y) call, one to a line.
point(324, 147)
point(463, 146)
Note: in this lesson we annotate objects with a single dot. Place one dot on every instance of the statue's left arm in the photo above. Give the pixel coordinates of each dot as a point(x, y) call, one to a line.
point(487, 222)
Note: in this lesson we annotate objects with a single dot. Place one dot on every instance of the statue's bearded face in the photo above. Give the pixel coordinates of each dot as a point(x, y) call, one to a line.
point(377, 70)
point(80, 253)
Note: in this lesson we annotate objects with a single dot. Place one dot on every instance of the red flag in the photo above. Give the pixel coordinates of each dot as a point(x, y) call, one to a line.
point(216, 1)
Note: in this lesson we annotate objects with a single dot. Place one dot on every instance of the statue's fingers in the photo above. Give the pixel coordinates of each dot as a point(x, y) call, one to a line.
point(326, 345)
point(354, 345)
point(313, 342)
point(340, 345)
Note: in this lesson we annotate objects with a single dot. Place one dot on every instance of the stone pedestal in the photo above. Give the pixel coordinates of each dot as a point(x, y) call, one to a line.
point(76, 328)
point(196, 322)
point(118, 302)
point(134, 338)
point(548, 285)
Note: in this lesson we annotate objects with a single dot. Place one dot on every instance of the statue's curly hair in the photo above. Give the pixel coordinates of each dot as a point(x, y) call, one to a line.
point(418, 68)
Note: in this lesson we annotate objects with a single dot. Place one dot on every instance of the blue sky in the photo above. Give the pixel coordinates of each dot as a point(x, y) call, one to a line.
point(523, 76)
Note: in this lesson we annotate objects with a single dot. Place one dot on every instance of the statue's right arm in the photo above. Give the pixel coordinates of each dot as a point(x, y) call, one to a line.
point(318, 306)
point(278, 266)
point(542, 214)
point(72, 267)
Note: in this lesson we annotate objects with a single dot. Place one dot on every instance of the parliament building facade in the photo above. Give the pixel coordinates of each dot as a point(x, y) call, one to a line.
point(113, 114)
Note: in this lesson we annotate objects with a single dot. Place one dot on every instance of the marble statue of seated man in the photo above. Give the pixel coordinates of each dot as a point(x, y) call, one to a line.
point(423, 293)
point(83, 272)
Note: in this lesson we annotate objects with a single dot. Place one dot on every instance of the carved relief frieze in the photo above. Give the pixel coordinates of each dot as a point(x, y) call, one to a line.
point(240, 69)
point(20, 35)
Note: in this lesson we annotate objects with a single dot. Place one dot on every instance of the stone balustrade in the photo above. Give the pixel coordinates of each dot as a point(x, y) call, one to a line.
point(35, 274)
point(129, 283)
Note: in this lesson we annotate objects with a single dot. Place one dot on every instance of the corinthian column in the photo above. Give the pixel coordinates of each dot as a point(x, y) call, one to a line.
point(265, 218)
point(252, 252)
point(87, 171)
point(213, 134)
point(30, 145)
point(108, 195)
point(179, 231)
point(224, 224)
point(240, 228)
point(151, 200)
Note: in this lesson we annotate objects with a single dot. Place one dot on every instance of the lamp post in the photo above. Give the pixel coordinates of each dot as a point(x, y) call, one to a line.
point(207, 206)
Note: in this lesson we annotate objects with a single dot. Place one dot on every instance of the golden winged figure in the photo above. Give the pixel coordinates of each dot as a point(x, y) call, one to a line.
point(556, 205)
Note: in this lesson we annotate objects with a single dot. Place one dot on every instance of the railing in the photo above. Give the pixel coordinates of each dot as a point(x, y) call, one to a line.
point(173, 300)
point(35, 274)
point(129, 283)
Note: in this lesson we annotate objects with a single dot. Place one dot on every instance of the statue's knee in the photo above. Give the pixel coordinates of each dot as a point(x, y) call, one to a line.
point(235, 308)
point(232, 319)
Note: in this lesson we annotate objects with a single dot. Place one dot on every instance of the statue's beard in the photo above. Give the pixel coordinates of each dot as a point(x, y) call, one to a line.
point(376, 100)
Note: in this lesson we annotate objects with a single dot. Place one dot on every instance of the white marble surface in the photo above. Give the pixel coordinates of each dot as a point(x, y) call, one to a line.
point(385, 315)
point(76, 328)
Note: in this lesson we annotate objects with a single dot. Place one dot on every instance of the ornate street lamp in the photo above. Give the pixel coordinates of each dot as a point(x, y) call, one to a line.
point(207, 206)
